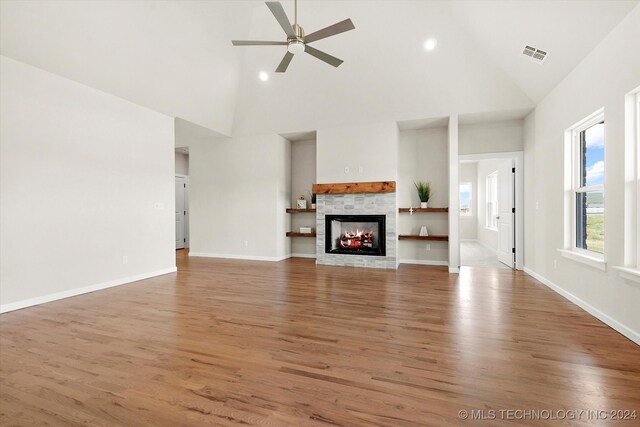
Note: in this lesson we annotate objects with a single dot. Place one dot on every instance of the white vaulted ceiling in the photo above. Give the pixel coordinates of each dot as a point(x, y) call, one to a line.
point(387, 75)
point(176, 57)
point(567, 30)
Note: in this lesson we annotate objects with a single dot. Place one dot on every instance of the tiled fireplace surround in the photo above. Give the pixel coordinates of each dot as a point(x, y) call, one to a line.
point(358, 204)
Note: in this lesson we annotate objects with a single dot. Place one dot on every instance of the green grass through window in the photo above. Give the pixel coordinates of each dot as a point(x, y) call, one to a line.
point(595, 232)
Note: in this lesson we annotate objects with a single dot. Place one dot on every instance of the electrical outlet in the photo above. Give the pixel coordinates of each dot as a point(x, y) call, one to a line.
point(537, 205)
point(246, 243)
point(555, 263)
point(125, 260)
point(346, 169)
point(428, 246)
point(360, 169)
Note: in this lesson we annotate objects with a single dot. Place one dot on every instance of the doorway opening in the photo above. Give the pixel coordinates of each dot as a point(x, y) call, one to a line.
point(491, 210)
point(182, 197)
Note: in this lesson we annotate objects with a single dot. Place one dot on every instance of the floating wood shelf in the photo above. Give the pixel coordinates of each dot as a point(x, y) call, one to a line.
point(403, 210)
point(416, 237)
point(355, 187)
point(296, 234)
point(293, 210)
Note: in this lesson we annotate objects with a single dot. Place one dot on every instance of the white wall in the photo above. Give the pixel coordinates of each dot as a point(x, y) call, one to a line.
point(281, 159)
point(303, 169)
point(81, 175)
point(492, 137)
point(174, 57)
point(602, 79)
point(423, 157)
point(372, 147)
point(303, 176)
point(454, 198)
point(240, 188)
point(244, 199)
point(469, 224)
point(182, 164)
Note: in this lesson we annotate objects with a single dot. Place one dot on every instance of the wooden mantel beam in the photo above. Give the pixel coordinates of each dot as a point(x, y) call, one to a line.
point(355, 187)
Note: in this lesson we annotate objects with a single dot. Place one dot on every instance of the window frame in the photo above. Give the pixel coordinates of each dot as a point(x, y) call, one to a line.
point(630, 270)
point(491, 219)
point(573, 169)
point(636, 130)
point(578, 188)
point(471, 210)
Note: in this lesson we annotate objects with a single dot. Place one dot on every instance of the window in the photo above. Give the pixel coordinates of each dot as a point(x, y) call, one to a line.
point(631, 268)
point(492, 201)
point(589, 189)
point(586, 189)
point(637, 153)
point(466, 199)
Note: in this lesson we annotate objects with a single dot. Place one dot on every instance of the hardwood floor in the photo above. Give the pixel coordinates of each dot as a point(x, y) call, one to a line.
point(226, 342)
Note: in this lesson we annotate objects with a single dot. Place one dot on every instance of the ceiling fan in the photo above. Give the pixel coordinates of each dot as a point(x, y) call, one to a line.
point(297, 42)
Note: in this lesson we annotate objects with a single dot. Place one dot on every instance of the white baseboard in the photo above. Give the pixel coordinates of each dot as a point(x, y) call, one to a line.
point(422, 262)
point(302, 256)
point(242, 257)
point(4, 308)
point(624, 330)
point(454, 270)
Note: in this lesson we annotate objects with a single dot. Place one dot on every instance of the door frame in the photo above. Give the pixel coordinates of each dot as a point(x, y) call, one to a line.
point(518, 160)
point(186, 205)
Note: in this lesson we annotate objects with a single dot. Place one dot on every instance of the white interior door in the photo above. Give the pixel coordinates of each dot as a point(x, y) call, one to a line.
point(506, 214)
point(181, 212)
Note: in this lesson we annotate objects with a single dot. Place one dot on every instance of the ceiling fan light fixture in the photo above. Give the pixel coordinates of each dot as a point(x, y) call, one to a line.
point(297, 42)
point(295, 47)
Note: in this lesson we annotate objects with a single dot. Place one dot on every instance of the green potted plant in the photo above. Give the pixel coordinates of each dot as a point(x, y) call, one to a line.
point(312, 196)
point(424, 192)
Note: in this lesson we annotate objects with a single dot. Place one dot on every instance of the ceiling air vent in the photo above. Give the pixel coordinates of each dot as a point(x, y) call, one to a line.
point(536, 55)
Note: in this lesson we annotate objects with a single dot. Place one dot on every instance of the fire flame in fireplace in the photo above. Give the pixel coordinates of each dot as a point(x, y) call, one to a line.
point(357, 239)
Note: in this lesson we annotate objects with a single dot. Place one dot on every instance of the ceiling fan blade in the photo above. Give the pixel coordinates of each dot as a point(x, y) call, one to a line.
point(331, 60)
point(277, 10)
point(284, 63)
point(256, 43)
point(329, 31)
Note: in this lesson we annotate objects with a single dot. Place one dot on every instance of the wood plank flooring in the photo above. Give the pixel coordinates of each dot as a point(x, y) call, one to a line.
point(226, 342)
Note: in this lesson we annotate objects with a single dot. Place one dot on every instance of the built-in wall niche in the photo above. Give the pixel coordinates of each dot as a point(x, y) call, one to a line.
point(182, 161)
point(423, 156)
point(303, 176)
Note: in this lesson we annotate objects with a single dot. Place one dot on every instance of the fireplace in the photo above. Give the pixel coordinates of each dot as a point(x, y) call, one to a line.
point(355, 234)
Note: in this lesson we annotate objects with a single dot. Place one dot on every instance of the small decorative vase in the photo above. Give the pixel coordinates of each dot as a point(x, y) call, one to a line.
point(313, 205)
point(423, 231)
point(423, 205)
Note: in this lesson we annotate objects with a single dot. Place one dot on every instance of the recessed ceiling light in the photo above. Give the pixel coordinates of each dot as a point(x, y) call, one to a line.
point(263, 76)
point(430, 44)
